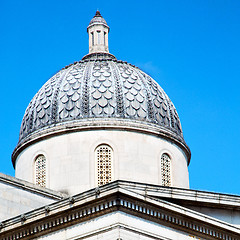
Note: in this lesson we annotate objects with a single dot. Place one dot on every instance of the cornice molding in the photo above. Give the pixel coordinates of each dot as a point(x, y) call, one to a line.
point(195, 197)
point(101, 124)
point(30, 187)
point(112, 198)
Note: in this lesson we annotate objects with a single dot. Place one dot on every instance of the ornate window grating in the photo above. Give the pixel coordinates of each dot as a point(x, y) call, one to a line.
point(40, 170)
point(166, 170)
point(104, 164)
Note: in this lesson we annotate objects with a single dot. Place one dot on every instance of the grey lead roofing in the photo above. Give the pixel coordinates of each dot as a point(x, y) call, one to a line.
point(100, 87)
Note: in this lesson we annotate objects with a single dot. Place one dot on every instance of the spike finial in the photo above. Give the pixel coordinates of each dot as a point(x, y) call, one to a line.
point(98, 14)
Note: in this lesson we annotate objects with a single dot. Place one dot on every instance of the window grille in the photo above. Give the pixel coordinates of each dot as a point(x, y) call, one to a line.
point(104, 164)
point(166, 170)
point(40, 171)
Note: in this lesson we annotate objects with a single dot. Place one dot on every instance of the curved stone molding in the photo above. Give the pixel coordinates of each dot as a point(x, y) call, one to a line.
point(114, 198)
point(101, 123)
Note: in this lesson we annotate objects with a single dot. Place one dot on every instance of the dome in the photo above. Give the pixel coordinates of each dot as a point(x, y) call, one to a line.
point(100, 92)
point(99, 120)
point(100, 87)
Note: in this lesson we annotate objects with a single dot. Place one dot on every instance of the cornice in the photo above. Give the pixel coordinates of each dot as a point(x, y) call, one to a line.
point(107, 199)
point(99, 124)
point(27, 186)
point(193, 197)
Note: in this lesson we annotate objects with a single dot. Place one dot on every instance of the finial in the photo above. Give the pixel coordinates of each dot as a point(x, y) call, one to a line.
point(97, 14)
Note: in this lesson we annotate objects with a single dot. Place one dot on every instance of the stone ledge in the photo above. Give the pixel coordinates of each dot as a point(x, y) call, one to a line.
point(197, 197)
point(30, 187)
point(113, 197)
point(99, 124)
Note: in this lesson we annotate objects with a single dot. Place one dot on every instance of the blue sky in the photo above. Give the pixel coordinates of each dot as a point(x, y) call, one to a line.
point(191, 48)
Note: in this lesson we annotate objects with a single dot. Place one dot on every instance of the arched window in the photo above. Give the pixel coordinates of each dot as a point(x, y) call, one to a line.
point(166, 170)
point(98, 36)
point(104, 164)
point(104, 38)
point(92, 38)
point(40, 170)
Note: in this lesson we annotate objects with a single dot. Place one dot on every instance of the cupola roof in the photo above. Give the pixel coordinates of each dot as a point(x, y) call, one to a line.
point(98, 19)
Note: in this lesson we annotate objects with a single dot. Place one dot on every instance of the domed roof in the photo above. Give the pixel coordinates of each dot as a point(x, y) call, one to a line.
point(100, 88)
point(98, 19)
point(100, 91)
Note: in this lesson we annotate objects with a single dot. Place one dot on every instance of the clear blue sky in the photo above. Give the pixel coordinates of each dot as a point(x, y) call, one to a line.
point(191, 48)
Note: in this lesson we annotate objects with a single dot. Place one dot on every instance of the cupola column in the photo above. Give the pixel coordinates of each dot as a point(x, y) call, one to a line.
point(98, 34)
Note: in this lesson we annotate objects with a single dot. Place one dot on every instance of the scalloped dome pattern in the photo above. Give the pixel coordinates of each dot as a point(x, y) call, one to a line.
point(100, 88)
